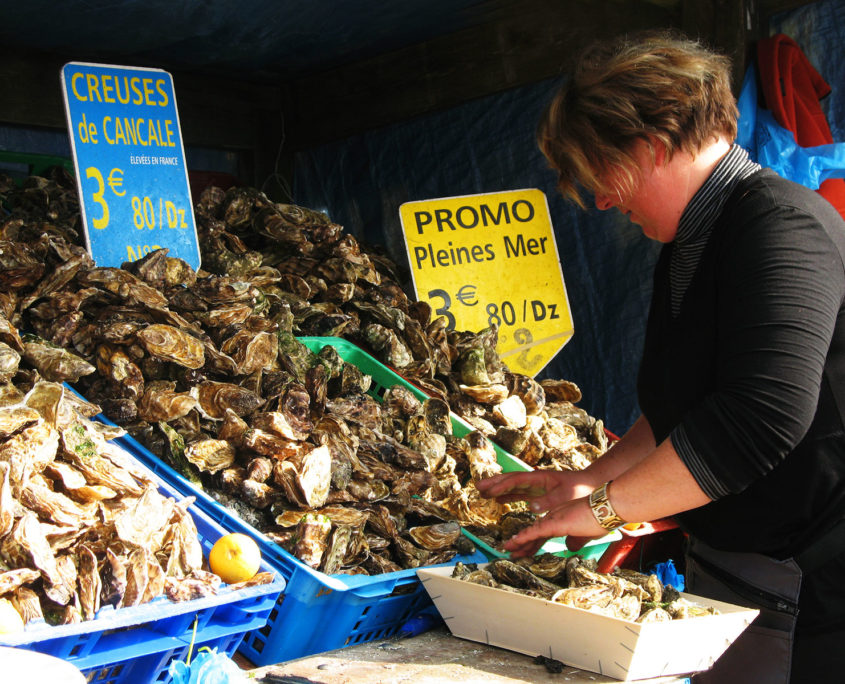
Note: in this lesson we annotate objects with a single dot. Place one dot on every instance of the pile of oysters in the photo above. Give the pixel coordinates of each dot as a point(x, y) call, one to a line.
point(81, 525)
point(574, 581)
point(206, 370)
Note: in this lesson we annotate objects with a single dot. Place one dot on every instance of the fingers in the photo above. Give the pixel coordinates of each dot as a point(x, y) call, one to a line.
point(577, 543)
point(543, 503)
point(528, 540)
point(512, 486)
point(522, 550)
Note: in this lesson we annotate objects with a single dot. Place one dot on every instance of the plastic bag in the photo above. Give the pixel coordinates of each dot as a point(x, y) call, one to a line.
point(667, 574)
point(771, 145)
point(208, 667)
point(422, 622)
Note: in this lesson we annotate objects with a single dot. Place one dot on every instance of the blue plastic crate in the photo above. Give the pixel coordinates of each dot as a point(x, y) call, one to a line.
point(316, 612)
point(136, 644)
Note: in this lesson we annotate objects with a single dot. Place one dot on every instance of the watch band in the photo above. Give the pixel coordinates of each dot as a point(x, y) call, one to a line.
point(603, 509)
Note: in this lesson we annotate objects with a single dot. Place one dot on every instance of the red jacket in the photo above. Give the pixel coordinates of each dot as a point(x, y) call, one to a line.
point(792, 89)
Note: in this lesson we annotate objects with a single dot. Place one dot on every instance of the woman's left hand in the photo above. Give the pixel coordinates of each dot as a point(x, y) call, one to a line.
point(573, 519)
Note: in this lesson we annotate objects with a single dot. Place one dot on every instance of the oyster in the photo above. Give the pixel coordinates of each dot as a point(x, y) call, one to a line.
point(161, 402)
point(314, 476)
point(54, 363)
point(53, 506)
point(11, 580)
point(290, 425)
point(337, 549)
point(312, 533)
point(27, 603)
point(210, 455)
point(15, 417)
point(183, 357)
point(214, 398)
point(561, 390)
point(28, 452)
point(512, 574)
point(9, 362)
point(482, 456)
point(574, 582)
point(486, 394)
point(251, 351)
point(436, 537)
point(171, 344)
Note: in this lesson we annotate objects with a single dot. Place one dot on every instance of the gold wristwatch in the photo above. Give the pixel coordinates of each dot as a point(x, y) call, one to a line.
point(603, 509)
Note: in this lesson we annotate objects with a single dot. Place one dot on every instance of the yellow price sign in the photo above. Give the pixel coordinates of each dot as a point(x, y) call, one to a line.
point(491, 259)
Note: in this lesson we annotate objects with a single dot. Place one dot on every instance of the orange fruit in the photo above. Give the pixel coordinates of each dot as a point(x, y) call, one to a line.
point(234, 558)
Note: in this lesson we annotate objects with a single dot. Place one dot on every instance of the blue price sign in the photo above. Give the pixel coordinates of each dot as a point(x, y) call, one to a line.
point(130, 163)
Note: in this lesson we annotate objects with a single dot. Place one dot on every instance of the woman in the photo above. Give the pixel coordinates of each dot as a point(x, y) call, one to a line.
point(742, 379)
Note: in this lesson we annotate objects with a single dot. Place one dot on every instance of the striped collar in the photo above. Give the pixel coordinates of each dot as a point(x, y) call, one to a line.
point(700, 216)
point(705, 205)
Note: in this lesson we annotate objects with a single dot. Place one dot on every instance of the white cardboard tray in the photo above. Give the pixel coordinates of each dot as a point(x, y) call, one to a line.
point(579, 638)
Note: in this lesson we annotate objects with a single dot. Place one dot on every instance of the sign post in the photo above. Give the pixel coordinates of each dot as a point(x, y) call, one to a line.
point(130, 163)
point(492, 259)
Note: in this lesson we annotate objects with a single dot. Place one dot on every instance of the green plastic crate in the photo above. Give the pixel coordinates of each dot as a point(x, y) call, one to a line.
point(384, 378)
point(593, 549)
point(22, 164)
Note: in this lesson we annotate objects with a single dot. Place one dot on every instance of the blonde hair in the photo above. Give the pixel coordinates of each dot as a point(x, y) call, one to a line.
point(653, 87)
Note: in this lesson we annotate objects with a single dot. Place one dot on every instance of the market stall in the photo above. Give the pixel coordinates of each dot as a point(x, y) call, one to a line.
point(280, 379)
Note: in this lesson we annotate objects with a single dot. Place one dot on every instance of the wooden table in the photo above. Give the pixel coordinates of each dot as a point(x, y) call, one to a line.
point(434, 656)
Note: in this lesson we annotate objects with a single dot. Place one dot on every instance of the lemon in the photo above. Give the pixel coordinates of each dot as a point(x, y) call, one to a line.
point(10, 619)
point(234, 557)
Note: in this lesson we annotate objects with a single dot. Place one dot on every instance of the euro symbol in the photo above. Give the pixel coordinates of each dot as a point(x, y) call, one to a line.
point(115, 180)
point(466, 295)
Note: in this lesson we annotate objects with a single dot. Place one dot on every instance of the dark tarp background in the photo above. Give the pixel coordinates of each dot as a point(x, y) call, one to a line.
point(488, 146)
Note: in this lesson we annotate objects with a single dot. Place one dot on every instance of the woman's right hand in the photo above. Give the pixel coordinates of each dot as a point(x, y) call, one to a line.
point(541, 489)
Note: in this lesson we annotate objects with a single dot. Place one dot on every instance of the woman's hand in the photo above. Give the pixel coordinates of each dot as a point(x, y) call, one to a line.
point(573, 520)
point(543, 490)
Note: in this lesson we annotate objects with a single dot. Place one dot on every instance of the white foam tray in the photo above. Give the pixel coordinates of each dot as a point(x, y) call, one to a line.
point(609, 646)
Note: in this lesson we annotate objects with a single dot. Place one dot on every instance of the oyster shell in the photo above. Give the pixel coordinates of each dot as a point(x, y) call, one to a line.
point(273, 272)
point(561, 390)
point(15, 417)
point(214, 398)
point(9, 362)
point(161, 402)
point(210, 455)
point(436, 537)
point(312, 537)
point(11, 580)
point(574, 582)
point(54, 363)
point(251, 351)
point(171, 344)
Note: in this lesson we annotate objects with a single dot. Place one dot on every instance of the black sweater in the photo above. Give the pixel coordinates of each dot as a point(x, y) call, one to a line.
point(749, 379)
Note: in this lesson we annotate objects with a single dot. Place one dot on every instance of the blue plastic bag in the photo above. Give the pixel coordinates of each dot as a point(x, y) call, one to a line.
point(422, 622)
point(771, 145)
point(208, 667)
point(667, 574)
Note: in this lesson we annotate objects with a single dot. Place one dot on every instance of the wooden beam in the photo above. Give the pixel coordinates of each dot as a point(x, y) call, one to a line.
point(212, 111)
point(519, 42)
